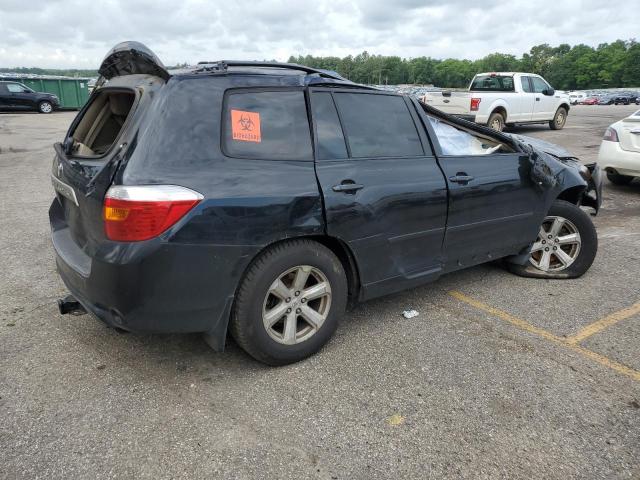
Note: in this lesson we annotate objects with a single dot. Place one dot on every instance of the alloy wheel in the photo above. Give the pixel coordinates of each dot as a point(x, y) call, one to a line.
point(557, 246)
point(296, 305)
point(45, 107)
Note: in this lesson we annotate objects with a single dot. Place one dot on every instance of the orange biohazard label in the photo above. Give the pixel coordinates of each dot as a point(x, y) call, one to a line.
point(245, 126)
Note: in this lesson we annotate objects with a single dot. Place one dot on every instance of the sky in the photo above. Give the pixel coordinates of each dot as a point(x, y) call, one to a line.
point(77, 34)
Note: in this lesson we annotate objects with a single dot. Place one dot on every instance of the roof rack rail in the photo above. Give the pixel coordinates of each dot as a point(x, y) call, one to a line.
point(223, 64)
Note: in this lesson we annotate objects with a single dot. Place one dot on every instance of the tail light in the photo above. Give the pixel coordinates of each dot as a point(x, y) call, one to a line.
point(611, 135)
point(136, 213)
point(475, 104)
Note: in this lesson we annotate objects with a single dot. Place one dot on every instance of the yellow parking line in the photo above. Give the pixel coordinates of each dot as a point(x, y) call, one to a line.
point(607, 321)
point(523, 325)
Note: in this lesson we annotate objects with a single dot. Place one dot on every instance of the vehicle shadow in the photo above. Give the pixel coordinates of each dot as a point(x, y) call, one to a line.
point(176, 360)
point(523, 129)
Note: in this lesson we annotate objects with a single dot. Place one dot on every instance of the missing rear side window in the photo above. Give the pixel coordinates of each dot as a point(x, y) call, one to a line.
point(101, 123)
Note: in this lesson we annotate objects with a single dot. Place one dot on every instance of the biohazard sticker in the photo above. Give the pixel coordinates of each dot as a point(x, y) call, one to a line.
point(245, 126)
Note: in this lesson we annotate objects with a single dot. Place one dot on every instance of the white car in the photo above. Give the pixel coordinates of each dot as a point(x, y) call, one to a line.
point(619, 152)
point(497, 99)
point(577, 97)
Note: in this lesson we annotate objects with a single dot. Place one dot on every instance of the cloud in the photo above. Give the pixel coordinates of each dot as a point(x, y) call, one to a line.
point(73, 33)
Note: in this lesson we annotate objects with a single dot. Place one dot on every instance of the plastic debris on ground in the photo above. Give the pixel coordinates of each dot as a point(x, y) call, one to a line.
point(410, 313)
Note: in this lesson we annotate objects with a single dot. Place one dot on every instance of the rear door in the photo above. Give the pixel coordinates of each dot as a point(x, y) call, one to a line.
point(384, 194)
point(82, 177)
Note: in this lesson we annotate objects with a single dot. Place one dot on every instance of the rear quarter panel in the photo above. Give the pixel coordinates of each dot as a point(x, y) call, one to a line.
point(248, 203)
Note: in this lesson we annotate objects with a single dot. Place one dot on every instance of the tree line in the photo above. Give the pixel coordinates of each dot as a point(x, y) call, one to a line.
point(608, 65)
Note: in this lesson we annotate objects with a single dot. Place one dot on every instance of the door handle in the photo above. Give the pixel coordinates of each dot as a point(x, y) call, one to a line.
point(461, 178)
point(347, 186)
point(537, 99)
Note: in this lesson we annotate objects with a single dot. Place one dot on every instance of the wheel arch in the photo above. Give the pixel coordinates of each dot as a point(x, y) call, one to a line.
point(572, 194)
point(217, 335)
point(500, 108)
point(339, 248)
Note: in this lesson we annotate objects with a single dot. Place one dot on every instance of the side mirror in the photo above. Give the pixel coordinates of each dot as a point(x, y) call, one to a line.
point(67, 145)
point(548, 91)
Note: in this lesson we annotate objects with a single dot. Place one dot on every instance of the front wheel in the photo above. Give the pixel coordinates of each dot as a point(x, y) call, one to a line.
point(289, 302)
point(45, 107)
point(566, 245)
point(559, 119)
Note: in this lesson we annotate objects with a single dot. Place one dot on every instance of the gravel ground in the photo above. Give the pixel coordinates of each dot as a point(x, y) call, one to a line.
point(457, 392)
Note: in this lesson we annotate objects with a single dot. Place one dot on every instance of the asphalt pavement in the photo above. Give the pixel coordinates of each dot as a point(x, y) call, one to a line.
point(497, 377)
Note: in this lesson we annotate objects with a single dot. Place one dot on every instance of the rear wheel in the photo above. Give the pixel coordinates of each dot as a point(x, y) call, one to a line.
point(566, 245)
point(559, 119)
point(289, 302)
point(618, 179)
point(496, 121)
point(45, 107)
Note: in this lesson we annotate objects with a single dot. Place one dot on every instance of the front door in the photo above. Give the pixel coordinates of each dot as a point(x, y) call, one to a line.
point(384, 194)
point(21, 97)
point(544, 108)
point(495, 209)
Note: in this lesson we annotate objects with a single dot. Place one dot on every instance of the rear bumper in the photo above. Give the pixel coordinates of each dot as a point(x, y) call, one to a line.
point(624, 162)
point(154, 286)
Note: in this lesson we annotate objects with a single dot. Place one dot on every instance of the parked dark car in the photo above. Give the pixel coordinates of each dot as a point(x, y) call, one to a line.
point(625, 98)
point(16, 96)
point(605, 100)
point(260, 198)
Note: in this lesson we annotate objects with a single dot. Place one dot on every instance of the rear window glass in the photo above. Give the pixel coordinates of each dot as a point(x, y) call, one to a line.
point(330, 140)
point(492, 83)
point(267, 125)
point(378, 125)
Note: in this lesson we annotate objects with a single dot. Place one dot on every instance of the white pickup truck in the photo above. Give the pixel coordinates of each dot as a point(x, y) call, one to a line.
point(505, 98)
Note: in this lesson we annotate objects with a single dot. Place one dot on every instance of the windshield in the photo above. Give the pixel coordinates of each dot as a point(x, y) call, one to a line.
point(492, 83)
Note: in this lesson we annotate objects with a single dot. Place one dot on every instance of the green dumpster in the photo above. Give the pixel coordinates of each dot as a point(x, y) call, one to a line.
point(72, 92)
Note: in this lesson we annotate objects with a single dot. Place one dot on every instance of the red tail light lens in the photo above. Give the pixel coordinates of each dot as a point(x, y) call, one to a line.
point(475, 104)
point(136, 213)
point(611, 135)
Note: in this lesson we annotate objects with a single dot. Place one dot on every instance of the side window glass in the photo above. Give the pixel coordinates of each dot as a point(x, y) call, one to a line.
point(526, 86)
point(378, 125)
point(267, 125)
point(15, 88)
point(330, 140)
point(457, 142)
point(538, 84)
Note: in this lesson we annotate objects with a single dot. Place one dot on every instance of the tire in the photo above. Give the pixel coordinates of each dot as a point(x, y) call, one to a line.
point(618, 179)
point(559, 119)
point(45, 107)
point(577, 251)
point(496, 121)
point(261, 294)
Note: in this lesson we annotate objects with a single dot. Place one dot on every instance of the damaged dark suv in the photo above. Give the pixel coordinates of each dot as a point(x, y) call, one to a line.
point(258, 198)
